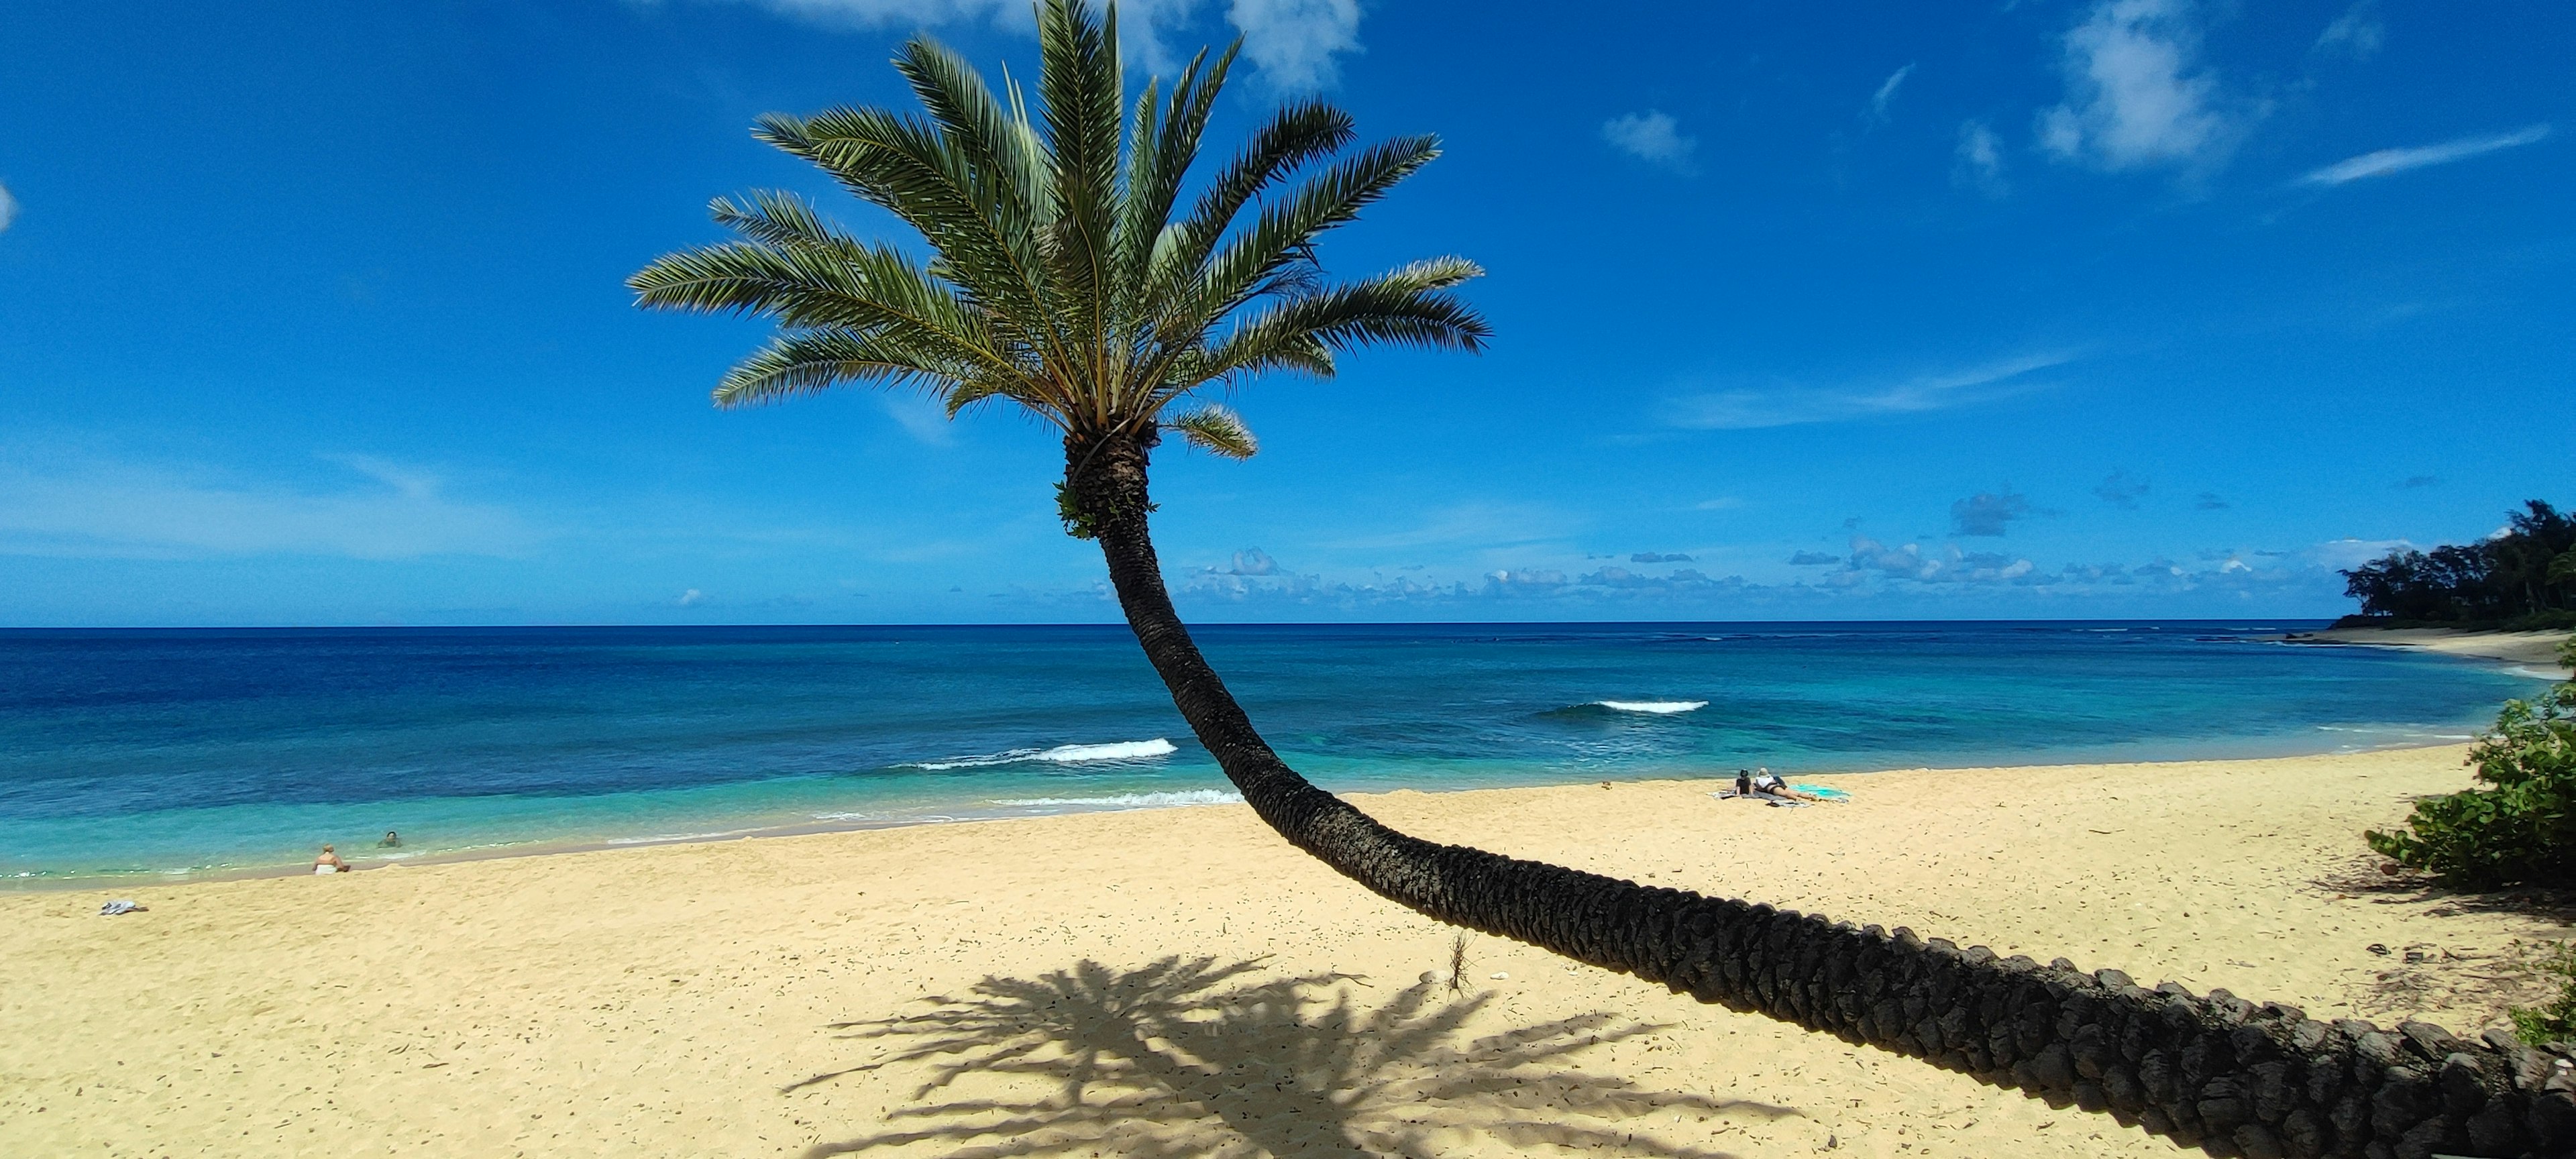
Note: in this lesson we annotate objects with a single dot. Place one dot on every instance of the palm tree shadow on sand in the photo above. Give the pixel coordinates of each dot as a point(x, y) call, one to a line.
point(1190, 1057)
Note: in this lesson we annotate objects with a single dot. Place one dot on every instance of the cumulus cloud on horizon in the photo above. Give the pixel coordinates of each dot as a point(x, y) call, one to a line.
point(2135, 95)
point(8, 209)
point(2384, 162)
point(1989, 513)
point(2121, 490)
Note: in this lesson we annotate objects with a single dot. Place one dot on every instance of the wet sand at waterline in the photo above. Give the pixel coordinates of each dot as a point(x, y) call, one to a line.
point(1181, 982)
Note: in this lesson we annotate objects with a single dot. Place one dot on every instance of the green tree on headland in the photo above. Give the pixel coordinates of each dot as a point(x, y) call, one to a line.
point(1068, 279)
point(2524, 575)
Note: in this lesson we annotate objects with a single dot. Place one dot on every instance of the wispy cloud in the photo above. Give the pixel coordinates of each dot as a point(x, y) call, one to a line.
point(2357, 33)
point(1880, 101)
point(1650, 136)
point(2388, 161)
point(2418, 482)
point(925, 419)
point(1793, 405)
point(8, 209)
point(87, 506)
point(1978, 163)
point(2134, 95)
point(2209, 501)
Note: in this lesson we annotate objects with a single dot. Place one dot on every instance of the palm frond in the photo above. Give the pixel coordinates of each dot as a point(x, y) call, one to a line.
point(1285, 233)
point(1062, 277)
point(1294, 137)
point(807, 361)
point(1080, 82)
point(1217, 431)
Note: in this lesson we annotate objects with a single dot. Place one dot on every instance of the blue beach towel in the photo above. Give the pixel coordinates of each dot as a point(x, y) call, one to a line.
point(119, 906)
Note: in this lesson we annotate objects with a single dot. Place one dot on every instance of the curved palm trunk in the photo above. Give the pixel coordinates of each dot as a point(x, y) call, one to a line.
point(1585, 916)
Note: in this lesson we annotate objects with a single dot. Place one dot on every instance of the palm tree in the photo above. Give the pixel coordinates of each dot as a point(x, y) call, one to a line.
point(1065, 281)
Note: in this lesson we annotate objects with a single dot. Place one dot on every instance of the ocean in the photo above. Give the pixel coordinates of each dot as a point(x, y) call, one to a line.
point(147, 754)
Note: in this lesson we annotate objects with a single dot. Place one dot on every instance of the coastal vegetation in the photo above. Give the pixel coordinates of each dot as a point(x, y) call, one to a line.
point(2523, 577)
point(2519, 827)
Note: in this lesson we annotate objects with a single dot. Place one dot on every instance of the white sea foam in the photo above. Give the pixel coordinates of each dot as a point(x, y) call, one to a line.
point(1164, 800)
point(1658, 707)
point(1068, 754)
point(1121, 751)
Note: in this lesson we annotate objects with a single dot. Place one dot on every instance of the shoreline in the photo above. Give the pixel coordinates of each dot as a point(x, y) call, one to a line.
point(767, 997)
point(2537, 650)
point(366, 860)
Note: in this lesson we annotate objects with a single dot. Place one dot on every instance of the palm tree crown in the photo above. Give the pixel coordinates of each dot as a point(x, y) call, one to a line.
point(1064, 276)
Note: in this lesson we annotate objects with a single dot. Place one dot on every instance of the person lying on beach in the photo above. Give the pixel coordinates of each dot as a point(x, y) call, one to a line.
point(329, 862)
point(1769, 783)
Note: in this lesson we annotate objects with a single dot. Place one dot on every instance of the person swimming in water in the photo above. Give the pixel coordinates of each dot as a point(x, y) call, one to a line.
point(392, 840)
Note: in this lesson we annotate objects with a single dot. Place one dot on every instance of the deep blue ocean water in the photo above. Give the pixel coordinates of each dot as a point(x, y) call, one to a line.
point(173, 752)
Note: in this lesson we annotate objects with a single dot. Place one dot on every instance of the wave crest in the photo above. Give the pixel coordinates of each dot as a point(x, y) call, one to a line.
point(1658, 707)
point(1065, 754)
point(1164, 800)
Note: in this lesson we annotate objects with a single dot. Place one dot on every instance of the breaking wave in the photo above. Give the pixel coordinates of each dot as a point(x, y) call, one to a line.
point(1658, 707)
point(1067, 754)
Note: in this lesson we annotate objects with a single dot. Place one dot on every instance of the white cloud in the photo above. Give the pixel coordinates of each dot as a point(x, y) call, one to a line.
point(2133, 98)
point(8, 209)
point(1980, 160)
point(2357, 33)
point(1293, 41)
point(1751, 409)
point(2388, 161)
point(57, 505)
point(1649, 136)
point(691, 598)
point(1879, 101)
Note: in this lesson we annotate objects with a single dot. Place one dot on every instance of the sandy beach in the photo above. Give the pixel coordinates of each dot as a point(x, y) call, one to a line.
point(1180, 982)
point(2538, 649)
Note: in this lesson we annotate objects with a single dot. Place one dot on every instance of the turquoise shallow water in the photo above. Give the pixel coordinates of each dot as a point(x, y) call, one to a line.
point(127, 753)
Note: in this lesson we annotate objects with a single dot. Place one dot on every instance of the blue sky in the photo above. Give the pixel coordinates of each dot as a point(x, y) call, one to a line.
point(312, 313)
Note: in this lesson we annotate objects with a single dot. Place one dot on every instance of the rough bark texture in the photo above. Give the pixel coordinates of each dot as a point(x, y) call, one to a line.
point(2233, 1077)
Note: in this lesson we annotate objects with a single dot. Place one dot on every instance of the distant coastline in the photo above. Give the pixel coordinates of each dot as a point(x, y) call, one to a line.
point(2535, 648)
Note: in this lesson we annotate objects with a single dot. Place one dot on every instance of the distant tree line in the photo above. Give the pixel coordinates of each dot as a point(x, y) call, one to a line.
point(2524, 575)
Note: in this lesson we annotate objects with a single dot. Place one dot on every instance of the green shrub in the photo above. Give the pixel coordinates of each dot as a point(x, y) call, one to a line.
point(2555, 1020)
point(2521, 829)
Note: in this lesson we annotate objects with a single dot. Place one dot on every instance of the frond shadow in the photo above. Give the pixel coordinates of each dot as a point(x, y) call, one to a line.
point(1193, 1057)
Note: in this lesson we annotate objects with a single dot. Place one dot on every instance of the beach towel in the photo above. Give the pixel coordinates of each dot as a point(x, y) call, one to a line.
point(119, 906)
point(1830, 794)
point(1765, 798)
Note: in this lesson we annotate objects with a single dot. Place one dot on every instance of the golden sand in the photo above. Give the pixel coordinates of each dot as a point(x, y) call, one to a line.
point(1181, 983)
